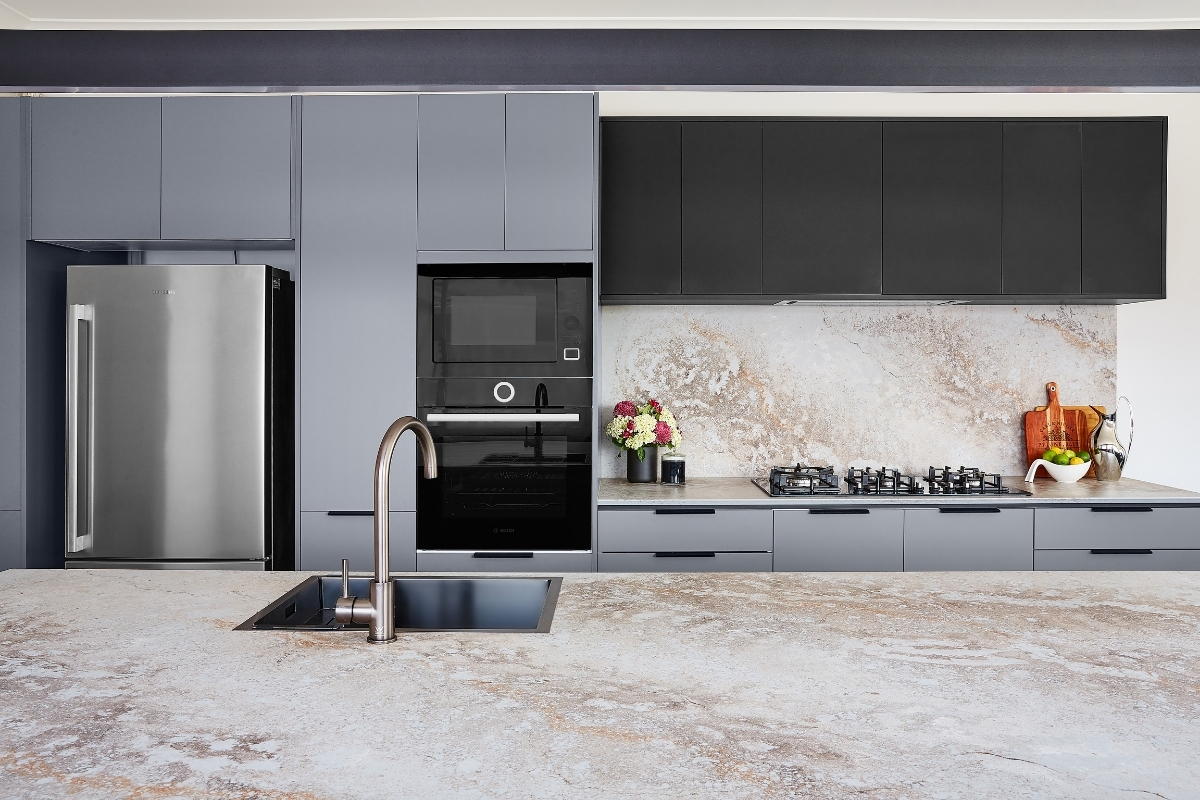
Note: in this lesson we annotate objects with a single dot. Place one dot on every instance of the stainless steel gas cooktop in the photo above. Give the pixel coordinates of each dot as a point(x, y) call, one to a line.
point(800, 481)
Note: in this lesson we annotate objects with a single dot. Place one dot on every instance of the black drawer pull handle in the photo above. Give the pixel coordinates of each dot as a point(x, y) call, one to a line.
point(685, 511)
point(502, 555)
point(685, 554)
point(839, 511)
point(350, 513)
point(1122, 552)
point(968, 511)
point(1122, 509)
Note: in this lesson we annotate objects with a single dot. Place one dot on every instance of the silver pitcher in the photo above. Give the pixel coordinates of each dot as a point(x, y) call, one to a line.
point(1108, 453)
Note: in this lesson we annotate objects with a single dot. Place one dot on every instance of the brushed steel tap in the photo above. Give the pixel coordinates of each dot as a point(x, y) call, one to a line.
point(378, 611)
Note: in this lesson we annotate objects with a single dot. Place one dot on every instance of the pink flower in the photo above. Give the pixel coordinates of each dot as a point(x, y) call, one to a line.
point(662, 432)
point(657, 406)
point(630, 429)
point(625, 408)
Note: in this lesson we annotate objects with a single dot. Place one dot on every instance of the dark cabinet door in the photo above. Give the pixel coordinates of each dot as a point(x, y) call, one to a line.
point(722, 207)
point(1123, 208)
point(941, 208)
point(640, 228)
point(822, 207)
point(1042, 208)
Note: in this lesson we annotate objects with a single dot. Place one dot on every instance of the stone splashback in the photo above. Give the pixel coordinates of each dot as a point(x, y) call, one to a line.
point(902, 386)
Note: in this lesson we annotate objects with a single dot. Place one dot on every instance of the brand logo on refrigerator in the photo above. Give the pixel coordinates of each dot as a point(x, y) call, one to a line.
point(162, 291)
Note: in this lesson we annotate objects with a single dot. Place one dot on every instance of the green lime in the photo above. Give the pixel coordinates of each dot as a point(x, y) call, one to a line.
point(1084, 455)
point(1049, 456)
point(1069, 453)
point(1062, 459)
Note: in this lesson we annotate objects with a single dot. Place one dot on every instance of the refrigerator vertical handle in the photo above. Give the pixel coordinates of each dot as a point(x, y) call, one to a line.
point(79, 428)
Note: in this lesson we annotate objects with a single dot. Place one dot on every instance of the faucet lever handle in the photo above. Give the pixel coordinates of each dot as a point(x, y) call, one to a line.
point(345, 577)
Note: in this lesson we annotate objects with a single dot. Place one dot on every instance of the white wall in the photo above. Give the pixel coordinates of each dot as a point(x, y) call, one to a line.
point(1158, 366)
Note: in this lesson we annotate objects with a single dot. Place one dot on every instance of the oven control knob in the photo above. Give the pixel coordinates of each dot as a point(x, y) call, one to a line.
point(504, 391)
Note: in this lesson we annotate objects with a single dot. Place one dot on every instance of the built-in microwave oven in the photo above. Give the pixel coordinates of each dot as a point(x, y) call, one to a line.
point(504, 320)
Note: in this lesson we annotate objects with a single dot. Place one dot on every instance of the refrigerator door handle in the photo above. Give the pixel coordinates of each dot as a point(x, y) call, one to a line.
point(79, 428)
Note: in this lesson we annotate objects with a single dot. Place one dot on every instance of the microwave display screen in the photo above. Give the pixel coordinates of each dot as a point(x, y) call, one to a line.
point(504, 320)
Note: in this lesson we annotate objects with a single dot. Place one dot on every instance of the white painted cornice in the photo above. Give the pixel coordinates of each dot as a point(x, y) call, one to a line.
point(820, 14)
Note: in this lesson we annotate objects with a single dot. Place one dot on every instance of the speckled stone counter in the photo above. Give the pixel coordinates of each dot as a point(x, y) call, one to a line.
point(741, 492)
point(133, 684)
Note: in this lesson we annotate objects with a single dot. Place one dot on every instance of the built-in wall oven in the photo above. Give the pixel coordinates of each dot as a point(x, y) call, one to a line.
point(504, 382)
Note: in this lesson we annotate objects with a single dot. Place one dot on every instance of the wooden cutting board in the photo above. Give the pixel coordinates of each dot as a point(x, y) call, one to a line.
point(1055, 425)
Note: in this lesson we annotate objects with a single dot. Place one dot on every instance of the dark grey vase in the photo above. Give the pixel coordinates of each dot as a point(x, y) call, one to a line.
point(642, 471)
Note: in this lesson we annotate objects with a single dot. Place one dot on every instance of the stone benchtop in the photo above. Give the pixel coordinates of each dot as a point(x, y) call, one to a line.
point(741, 492)
point(134, 684)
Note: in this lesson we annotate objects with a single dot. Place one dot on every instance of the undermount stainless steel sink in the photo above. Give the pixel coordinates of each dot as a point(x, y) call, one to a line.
point(500, 604)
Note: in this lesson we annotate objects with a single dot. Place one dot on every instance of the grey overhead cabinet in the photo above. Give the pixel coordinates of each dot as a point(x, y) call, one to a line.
point(227, 167)
point(505, 172)
point(357, 320)
point(96, 167)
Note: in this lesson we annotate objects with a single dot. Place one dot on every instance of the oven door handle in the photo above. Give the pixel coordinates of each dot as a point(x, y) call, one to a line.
point(502, 417)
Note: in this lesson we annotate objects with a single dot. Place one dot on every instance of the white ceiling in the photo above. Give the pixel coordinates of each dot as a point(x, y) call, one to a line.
point(882, 14)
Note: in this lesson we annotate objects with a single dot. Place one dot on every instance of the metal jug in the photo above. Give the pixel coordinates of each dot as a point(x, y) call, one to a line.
point(1108, 453)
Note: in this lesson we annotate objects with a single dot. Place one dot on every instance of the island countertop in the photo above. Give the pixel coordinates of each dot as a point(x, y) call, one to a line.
point(741, 492)
point(134, 684)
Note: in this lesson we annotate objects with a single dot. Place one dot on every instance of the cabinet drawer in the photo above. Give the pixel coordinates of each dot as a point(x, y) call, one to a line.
point(690, 561)
point(967, 539)
point(326, 539)
point(819, 540)
point(648, 530)
point(1090, 560)
point(1136, 526)
point(442, 561)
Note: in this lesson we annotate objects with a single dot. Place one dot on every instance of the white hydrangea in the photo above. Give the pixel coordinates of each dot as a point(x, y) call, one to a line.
point(616, 428)
point(643, 432)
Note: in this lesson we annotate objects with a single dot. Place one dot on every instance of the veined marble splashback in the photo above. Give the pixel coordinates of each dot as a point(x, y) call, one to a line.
point(902, 386)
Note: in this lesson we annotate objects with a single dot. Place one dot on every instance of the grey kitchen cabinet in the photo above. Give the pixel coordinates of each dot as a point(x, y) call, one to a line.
point(326, 539)
point(687, 561)
point(942, 198)
point(12, 316)
point(839, 539)
point(357, 297)
point(1042, 208)
point(226, 167)
point(461, 172)
point(1124, 208)
point(96, 167)
point(968, 538)
point(561, 561)
point(1116, 559)
point(722, 208)
point(1107, 527)
point(12, 541)
point(548, 171)
point(649, 530)
point(640, 207)
point(822, 196)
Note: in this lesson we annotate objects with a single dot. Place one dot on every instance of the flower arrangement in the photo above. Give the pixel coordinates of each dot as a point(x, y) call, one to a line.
point(638, 427)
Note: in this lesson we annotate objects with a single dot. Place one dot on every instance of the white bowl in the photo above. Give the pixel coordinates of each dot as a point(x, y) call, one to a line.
point(1063, 473)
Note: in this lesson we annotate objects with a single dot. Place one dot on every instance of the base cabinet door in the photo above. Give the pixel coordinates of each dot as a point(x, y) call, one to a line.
point(839, 540)
point(652, 530)
point(1117, 559)
point(938, 539)
point(325, 539)
point(466, 561)
point(685, 561)
point(1110, 527)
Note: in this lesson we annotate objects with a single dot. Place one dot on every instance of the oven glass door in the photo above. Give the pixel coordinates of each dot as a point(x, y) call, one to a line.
point(495, 320)
point(508, 486)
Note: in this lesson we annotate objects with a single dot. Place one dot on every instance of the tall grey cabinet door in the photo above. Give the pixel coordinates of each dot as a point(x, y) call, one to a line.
point(548, 156)
point(96, 167)
point(12, 307)
point(357, 297)
point(461, 172)
point(226, 167)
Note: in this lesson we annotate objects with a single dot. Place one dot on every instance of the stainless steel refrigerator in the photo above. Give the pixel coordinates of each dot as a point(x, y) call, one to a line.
point(180, 417)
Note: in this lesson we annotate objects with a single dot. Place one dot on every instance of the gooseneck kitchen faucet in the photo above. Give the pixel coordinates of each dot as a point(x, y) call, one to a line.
point(380, 611)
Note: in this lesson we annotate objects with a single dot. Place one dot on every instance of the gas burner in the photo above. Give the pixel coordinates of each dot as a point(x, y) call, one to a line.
point(964, 480)
point(802, 480)
point(882, 481)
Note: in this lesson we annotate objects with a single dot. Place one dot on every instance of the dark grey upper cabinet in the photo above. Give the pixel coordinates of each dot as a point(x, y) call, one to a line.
point(460, 167)
point(722, 207)
point(941, 208)
point(96, 167)
point(1042, 217)
point(640, 208)
point(226, 167)
point(1124, 208)
point(548, 159)
point(822, 197)
point(357, 296)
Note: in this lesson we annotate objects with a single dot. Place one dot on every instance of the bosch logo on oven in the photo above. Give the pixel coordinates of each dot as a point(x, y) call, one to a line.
point(163, 291)
point(504, 530)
